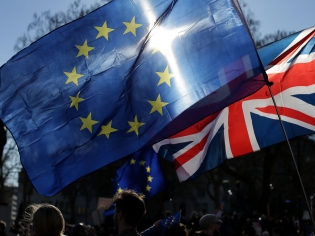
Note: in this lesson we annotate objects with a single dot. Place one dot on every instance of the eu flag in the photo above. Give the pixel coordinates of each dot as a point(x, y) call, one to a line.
point(123, 77)
point(142, 172)
point(171, 221)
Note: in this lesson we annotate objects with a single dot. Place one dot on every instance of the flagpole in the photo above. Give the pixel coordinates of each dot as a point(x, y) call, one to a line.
point(269, 84)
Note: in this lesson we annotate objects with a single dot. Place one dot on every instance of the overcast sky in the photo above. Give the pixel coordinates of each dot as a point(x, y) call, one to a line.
point(15, 15)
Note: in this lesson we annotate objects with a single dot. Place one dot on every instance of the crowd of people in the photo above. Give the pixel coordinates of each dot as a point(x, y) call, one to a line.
point(130, 220)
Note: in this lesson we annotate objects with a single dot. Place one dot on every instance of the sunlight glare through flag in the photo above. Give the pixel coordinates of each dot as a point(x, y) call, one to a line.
point(120, 79)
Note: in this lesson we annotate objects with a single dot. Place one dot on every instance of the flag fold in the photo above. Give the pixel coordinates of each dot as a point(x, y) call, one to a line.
point(121, 78)
point(252, 123)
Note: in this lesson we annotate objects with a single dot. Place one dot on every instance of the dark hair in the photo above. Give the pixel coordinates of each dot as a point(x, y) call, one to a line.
point(80, 230)
point(2, 225)
point(131, 205)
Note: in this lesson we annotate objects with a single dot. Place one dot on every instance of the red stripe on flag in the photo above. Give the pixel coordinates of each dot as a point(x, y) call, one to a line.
point(187, 156)
point(238, 134)
point(285, 55)
point(286, 80)
point(288, 112)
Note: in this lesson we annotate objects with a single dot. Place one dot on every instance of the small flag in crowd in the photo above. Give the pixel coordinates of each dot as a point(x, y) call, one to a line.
point(142, 172)
point(170, 222)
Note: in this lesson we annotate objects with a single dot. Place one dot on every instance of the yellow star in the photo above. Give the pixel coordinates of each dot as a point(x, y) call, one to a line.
point(75, 101)
point(141, 194)
point(107, 129)
point(84, 49)
point(103, 31)
point(150, 178)
point(132, 161)
point(88, 122)
point(157, 105)
point(165, 77)
point(148, 169)
point(135, 125)
point(142, 163)
point(119, 190)
point(155, 50)
point(73, 76)
point(131, 26)
point(148, 188)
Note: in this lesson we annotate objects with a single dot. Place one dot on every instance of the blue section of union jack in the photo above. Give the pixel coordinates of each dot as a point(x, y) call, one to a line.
point(252, 123)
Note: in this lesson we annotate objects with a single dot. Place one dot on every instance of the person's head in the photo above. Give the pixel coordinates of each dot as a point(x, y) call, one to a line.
point(193, 215)
point(2, 225)
point(80, 230)
point(248, 231)
point(129, 209)
point(265, 233)
point(209, 223)
point(178, 230)
point(90, 230)
point(46, 220)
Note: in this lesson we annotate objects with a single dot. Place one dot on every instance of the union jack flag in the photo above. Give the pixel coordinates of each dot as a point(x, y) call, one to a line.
point(252, 123)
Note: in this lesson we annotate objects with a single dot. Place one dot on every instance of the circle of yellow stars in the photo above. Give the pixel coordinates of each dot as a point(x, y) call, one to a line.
point(74, 76)
point(149, 177)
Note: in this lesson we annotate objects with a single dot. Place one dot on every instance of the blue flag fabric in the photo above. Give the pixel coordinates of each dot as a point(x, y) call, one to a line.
point(252, 123)
point(142, 172)
point(165, 224)
point(170, 221)
point(123, 77)
point(110, 211)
